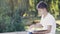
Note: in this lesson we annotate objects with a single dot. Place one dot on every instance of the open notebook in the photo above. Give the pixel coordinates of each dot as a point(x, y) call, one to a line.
point(36, 29)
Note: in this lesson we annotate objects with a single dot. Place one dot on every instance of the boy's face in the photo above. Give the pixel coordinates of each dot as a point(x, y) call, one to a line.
point(41, 11)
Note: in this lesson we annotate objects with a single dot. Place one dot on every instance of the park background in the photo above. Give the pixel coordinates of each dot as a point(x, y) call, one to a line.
point(17, 15)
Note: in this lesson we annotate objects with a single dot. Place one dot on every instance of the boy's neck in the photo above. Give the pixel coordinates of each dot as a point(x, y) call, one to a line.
point(45, 14)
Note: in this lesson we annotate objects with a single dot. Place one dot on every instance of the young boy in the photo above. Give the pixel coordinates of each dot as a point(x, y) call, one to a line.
point(47, 20)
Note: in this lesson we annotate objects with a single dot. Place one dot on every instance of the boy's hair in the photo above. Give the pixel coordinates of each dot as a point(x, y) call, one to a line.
point(41, 4)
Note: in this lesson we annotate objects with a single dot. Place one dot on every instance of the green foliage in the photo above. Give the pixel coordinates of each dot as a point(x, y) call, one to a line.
point(10, 19)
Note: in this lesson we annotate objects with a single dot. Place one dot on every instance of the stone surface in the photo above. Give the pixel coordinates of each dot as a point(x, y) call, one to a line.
point(15, 33)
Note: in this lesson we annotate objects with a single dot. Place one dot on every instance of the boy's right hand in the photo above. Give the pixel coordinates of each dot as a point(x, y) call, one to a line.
point(39, 25)
point(32, 26)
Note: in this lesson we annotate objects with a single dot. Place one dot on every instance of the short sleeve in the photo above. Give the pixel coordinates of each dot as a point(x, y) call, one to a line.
point(50, 21)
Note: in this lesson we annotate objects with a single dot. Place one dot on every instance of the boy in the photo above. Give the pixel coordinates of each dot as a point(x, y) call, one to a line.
point(47, 20)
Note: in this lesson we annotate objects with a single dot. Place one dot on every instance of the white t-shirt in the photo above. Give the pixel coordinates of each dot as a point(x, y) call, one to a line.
point(49, 20)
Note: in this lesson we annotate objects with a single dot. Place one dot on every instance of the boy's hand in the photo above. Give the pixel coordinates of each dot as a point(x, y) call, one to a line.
point(39, 25)
point(32, 26)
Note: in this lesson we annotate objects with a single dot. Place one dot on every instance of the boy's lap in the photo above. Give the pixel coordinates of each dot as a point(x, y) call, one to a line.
point(38, 33)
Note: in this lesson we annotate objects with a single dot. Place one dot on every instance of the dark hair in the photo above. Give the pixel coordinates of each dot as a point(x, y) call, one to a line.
point(42, 5)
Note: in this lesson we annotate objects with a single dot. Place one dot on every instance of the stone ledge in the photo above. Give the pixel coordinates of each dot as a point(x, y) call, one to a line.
point(15, 33)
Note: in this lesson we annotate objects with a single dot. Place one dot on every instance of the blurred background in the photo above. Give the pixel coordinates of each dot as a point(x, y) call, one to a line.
point(17, 15)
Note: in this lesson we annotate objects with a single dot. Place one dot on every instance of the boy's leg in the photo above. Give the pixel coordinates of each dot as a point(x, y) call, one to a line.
point(30, 33)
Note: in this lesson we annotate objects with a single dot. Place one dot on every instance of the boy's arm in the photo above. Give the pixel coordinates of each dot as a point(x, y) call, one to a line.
point(44, 31)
